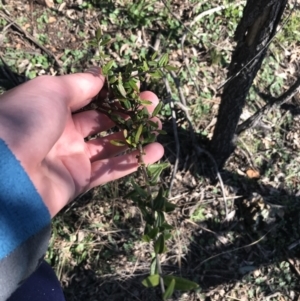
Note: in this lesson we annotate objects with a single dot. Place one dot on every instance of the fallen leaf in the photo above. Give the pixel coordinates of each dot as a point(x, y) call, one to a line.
point(253, 174)
point(49, 3)
point(51, 19)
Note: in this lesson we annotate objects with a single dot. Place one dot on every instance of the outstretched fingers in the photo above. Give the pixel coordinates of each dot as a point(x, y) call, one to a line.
point(117, 167)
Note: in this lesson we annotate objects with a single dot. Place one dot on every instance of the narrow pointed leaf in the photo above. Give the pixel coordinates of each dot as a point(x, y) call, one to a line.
point(152, 234)
point(154, 55)
point(157, 109)
point(145, 102)
point(181, 284)
point(153, 124)
point(153, 266)
point(139, 190)
point(160, 219)
point(145, 66)
point(163, 60)
point(169, 207)
point(167, 235)
point(166, 226)
point(107, 67)
point(159, 201)
point(151, 138)
point(121, 88)
point(171, 68)
point(156, 75)
point(138, 134)
point(159, 245)
point(105, 41)
point(154, 170)
point(151, 281)
point(170, 290)
point(146, 238)
point(162, 132)
point(98, 34)
point(117, 142)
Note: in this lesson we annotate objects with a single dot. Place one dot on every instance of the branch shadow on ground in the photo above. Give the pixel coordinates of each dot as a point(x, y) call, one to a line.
point(257, 249)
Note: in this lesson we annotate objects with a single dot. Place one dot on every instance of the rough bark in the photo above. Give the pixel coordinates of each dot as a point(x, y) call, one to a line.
point(253, 34)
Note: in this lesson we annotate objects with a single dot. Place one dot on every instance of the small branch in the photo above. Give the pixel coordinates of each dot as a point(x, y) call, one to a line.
point(254, 119)
point(31, 38)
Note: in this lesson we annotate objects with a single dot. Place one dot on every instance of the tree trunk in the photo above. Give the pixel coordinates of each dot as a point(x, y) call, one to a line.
point(253, 34)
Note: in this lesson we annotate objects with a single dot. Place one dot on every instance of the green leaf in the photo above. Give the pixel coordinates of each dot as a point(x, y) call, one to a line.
point(139, 190)
point(171, 68)
point(166, 226)
point(151, 281)
point(163, 60)
point(162, 132)
point(128, 69)
point(117, 142)
point(159, 245)
point(153, 266)
point(126, 103)
point(107, 67)
point(170, 290)
point(117, 118)
point(112, 79)
point(169, 207)
point(160, 219)
point(154, 170)
point(120, 87)
point(105, 41)
point(181, 284)
point(154, 55)
point(145, 66)
point(138, 134)
point(151, 138)
point(98, 34)
point(133, 85)
point(146, 238)
point(159, 201)
point(157, 109)
point(153, 124)
point(152, 233)
point(145, 102)
point(167, 235)
point(156, 75)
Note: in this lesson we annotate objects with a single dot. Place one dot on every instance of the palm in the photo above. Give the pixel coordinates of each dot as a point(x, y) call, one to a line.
point(49, 140)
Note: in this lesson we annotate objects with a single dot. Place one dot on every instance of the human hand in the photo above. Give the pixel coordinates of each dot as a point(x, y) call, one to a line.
point(38, 125)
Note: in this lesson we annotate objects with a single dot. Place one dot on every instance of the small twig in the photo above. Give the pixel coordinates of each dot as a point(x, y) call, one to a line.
point(2, 6)
point(292, 263)
point(247, 153)
point(236, 249)
point(254, 119)
point(31, 38)
point(273, 295)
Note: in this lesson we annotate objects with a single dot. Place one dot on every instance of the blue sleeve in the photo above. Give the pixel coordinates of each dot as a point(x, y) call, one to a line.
point(24, 224)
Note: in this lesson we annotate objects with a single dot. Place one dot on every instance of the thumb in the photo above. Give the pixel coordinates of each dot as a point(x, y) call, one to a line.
point(78, 89)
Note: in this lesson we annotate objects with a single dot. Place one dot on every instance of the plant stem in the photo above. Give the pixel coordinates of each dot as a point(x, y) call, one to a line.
point(146, 179)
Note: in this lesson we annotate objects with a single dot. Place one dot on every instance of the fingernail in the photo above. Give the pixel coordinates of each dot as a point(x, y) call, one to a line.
point(96, 71)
